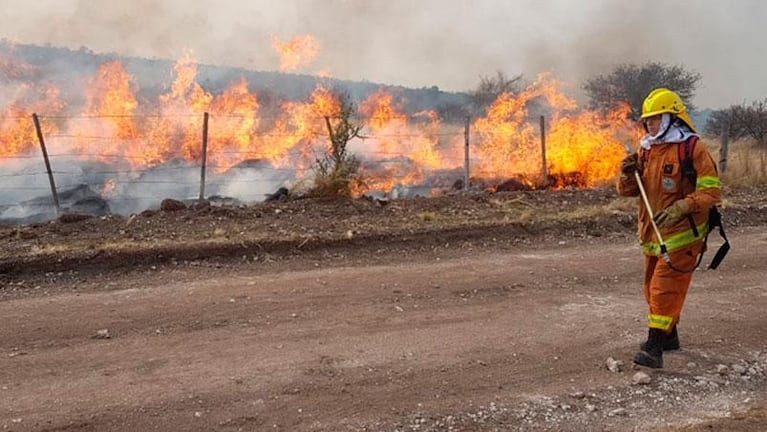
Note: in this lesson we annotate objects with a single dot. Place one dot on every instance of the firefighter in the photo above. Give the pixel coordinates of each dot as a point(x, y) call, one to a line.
point(681, 214)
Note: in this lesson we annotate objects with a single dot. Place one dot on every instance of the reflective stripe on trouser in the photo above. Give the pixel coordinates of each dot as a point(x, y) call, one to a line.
point(677, 241)
point(665, 289)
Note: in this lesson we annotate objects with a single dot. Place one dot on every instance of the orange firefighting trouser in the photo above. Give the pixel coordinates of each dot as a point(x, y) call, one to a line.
point(666, 288)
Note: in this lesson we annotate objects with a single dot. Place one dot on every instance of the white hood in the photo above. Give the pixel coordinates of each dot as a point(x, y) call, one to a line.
point(668, 133)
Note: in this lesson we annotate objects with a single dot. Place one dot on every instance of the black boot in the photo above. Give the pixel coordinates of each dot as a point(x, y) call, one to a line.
point(652, 353)
point(670, 341)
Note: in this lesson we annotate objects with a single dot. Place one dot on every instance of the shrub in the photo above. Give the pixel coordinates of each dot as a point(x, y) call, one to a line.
point(338, 170)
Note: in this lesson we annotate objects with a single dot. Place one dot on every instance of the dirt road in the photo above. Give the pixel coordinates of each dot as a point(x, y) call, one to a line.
point(464, 339)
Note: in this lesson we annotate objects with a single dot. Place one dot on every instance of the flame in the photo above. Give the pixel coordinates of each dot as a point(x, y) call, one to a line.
point(25, 97)
point(582, 142)
point(17, 130)
point(297, 52)
point(235, 120)
point(305, 126)
point(185, 104)
point(582, 147)
point(408, 149)
point(586, 143)
point(111, 93)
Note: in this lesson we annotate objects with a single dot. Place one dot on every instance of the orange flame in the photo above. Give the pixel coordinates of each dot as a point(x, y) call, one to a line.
point(393, 136)
point(297, 52)
point(112, 93)
point(396, 148)
point(584, 142)
point(17, 130)
point(303, 126)
point(235, 121)
point(186, 98)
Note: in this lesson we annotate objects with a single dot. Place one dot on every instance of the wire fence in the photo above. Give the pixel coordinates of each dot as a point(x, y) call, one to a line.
point(187, 157)
point(132, 164)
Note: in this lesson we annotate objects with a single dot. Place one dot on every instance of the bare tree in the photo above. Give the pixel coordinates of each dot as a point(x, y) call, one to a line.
point(490, 87)
point(630, 83)
point(741, 121)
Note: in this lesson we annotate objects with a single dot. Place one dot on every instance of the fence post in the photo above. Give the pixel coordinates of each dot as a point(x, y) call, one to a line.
point(724, 146)
point(204, 155)
point(544, 170)
point(40, 138)
point(466, 154)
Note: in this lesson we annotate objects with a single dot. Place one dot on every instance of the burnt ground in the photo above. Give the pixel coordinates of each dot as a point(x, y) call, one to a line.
point(458, 313)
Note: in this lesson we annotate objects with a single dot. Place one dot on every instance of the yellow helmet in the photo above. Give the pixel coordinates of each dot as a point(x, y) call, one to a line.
point(663, 100)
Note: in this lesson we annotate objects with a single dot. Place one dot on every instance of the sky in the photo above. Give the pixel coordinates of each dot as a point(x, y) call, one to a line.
point(450, 44)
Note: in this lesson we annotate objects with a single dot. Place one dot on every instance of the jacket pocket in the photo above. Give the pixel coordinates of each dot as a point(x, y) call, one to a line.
point(670, 178)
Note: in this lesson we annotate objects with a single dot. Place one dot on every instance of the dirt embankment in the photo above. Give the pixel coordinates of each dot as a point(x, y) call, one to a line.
point(302, 226)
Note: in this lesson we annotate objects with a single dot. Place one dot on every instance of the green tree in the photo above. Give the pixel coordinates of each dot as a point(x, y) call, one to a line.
point(631, 83)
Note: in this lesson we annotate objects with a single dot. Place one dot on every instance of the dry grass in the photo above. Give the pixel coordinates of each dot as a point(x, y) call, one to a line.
point(586, 212)
point(427, 216)
point(746, 163)
point(622, 205)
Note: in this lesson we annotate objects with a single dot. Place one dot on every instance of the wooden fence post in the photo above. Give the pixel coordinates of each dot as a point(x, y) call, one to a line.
point(724, 147)
point(466, 154)
point(40, 138)
point(203, 167)
point(544, 169)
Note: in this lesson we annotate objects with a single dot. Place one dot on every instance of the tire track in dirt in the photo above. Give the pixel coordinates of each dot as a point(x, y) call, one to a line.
point(360, 347)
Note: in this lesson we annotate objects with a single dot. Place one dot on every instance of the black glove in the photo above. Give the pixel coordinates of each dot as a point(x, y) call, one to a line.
point(630, 164)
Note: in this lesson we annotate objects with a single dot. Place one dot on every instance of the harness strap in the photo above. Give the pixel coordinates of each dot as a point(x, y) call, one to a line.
point(714, 217)
point(688, 171)
point(715, 220)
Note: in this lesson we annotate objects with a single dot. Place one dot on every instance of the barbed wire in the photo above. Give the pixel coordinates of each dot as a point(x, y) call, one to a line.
point(109, 116)
point(212, 115)
point(27, 156)
point(211, 136)
point(293, 152)
point(411, 135)
point(127, 173)
point(108, 171)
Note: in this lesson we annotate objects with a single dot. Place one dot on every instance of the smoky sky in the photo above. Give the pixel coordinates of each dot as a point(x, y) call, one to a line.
point(424, 43)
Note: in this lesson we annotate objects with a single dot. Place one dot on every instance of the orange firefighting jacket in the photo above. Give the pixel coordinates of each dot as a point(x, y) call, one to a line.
point(664, 184)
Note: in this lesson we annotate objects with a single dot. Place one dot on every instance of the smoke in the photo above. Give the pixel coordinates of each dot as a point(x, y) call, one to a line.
point(431, 42)
point(716, 39)
point(25, 195)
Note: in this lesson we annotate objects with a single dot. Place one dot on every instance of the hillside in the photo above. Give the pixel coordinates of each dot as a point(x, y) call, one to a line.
point(68, 70)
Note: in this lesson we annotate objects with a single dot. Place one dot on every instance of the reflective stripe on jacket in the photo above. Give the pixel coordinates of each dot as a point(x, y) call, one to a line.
point(664, 183)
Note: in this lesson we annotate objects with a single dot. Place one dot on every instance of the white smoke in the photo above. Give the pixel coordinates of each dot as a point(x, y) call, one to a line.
point(25, 189)
point(430, 42)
